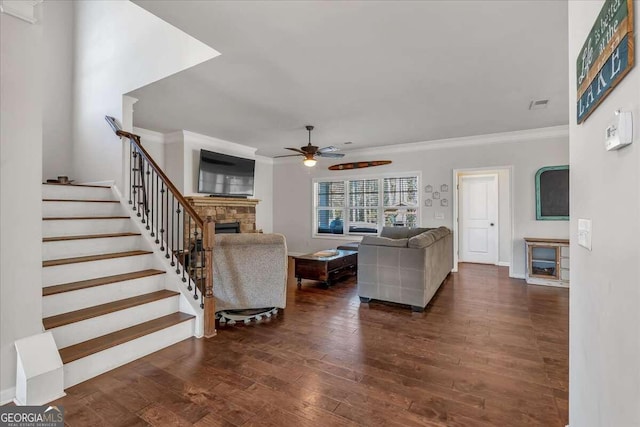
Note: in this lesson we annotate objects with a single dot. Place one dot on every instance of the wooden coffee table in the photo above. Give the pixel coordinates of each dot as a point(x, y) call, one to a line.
point(326, 266)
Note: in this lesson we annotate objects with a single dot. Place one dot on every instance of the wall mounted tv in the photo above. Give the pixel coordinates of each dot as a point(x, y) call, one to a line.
point(224, 175)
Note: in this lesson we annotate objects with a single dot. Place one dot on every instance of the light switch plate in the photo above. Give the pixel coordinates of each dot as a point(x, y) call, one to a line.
point(584, 233)
point(439, 215)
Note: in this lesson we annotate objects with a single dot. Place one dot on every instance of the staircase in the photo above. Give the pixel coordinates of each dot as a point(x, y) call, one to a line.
point(107, 297)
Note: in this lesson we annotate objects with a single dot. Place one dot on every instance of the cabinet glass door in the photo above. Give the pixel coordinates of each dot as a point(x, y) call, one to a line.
point(544, 261)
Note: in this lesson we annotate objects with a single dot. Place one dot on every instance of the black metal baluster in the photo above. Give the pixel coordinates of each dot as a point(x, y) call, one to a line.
point(147, 192)
point(131, 165)
point(143, 193)
point(178, 249)
point(156, 214)
point(187, 256)
point(162, 216)
point(166, 227)
point(152, 194)
point(134, 169)
point(173, 229)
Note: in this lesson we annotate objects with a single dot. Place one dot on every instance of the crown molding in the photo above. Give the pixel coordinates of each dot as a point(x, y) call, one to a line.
point(21, 9)
point(520, 136)
point(488, 139)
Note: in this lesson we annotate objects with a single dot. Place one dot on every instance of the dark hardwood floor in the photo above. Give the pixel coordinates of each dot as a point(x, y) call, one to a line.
point(488, 350)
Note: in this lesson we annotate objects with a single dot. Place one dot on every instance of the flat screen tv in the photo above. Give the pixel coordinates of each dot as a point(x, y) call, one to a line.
point(224, 175)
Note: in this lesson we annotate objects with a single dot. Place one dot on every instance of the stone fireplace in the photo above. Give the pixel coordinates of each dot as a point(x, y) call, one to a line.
point(227, 212)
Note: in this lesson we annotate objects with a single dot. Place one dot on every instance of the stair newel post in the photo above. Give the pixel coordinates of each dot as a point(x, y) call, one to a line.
point(208, 303)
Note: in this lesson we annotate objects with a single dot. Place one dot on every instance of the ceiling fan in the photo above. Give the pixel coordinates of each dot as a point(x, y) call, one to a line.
point(309, 152)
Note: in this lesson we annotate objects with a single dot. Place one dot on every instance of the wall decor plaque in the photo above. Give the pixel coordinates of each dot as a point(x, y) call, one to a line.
point(359, 165)
point(606, 56)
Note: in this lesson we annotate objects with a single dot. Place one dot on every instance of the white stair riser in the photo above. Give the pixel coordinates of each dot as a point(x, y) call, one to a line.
point(95, 327)
point(83, 247)
point(88, 367)
point(70, 192)
point(75, 300)
point(67, 209)
point(80, 227)
point(60, 274)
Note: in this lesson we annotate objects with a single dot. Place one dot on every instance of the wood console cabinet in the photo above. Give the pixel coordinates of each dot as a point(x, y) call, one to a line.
point(547, 262)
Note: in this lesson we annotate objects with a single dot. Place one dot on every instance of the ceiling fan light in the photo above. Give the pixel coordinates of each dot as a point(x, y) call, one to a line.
point(309, 162)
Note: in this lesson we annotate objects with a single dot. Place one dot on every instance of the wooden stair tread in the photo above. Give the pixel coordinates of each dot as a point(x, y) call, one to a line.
point(102, 309)
point(58, 218)
point(75, 260)
point(95, 345)
point(76, 185)
point(89, 236)
point(81, 200)
point(84, 284)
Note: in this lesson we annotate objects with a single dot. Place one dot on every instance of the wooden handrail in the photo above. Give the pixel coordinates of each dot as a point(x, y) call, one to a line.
point(149, 216)
point(135, 140)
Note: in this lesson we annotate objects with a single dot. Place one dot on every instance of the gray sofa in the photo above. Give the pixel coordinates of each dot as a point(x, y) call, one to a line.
point(404, 265)
point(249, 271)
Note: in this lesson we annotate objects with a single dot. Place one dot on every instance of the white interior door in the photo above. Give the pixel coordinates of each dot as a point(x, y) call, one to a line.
point(478, 218)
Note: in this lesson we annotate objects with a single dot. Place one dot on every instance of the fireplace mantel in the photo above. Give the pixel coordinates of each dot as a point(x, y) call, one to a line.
point(227, 209)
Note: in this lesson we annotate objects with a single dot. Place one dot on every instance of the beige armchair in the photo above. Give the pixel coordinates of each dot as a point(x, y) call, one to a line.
point(249, 271)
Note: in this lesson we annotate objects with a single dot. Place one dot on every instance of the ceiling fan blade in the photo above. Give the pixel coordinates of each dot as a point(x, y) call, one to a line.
point(289, 155)
point(331, 155)
point(329, 149)
point(296, 150)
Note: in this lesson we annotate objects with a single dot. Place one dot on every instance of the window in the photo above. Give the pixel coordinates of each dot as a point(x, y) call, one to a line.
point(364, 206)
point(401, 201)
point(330, 207)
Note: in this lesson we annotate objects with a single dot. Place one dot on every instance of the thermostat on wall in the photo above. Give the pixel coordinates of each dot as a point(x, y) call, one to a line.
point(620, 133)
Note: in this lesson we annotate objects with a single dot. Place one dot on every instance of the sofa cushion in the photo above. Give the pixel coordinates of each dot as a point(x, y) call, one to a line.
point(422, 240)
point(395, 232)
point(411, 232)
point(384, 241)
point(428, 238)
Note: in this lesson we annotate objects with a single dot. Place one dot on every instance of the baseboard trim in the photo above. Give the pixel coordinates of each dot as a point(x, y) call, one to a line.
point(503, 264)
point(7, 395)
point(517, 276)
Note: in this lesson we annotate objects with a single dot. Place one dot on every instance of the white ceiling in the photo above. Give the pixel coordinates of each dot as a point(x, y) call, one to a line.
point(375, 73)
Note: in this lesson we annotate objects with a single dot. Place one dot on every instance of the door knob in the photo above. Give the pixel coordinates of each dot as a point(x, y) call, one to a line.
point(491, 224)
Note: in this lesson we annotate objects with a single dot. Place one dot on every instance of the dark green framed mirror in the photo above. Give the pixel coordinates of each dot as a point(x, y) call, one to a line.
point(552, 193)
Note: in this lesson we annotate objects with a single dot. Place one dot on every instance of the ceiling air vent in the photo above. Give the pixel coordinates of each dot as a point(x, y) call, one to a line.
point(539, 104)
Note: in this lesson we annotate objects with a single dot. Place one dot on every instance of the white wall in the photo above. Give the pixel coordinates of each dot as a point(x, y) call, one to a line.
point(604, 322)
point(526, 151)
point(20, 190)
point(57, 116)
point(153, 143)
point(119, 47)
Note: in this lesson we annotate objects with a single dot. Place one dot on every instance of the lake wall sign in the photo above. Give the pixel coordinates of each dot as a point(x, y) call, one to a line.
point(606, 56)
